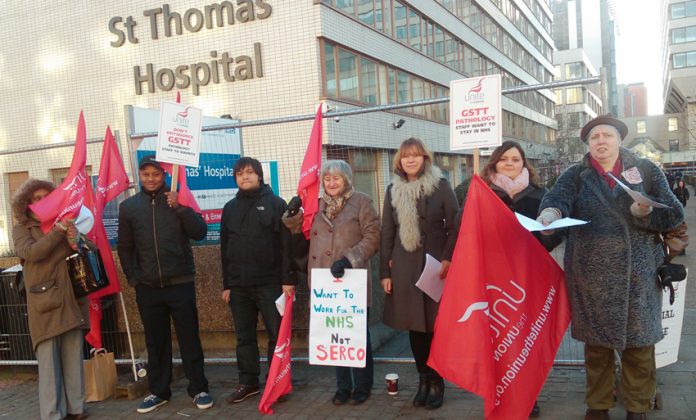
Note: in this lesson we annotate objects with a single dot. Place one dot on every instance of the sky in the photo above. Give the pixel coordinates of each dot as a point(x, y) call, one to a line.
point(639, 47)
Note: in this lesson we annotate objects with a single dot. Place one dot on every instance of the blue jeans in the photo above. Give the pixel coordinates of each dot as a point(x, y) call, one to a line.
point(354, 379)
point(246, 302)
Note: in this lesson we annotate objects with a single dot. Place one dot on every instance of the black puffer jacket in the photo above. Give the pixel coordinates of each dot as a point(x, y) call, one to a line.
point(254, 243)
point(154, 240)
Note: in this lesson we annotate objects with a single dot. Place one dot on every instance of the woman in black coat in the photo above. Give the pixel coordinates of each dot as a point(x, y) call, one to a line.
point(681, 192)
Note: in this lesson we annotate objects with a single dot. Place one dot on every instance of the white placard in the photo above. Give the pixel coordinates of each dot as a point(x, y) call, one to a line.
point(338, 318)
point(667, 350)
point(475, 113)
point(179, 139)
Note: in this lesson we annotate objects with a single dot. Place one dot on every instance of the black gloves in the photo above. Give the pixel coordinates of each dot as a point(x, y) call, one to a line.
point(294, 206)
point(338, 269)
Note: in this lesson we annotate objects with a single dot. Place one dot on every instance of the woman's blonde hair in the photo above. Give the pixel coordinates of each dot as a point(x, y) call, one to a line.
point(412, 144)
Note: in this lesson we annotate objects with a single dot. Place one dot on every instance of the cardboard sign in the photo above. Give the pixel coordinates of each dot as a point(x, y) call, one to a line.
point(338, 318)
point(667, 350)
point(179, 139)
point(476, 113)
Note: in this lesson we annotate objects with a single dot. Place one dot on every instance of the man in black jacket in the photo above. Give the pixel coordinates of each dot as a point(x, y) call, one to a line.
point(154, 231)
point(255, 267)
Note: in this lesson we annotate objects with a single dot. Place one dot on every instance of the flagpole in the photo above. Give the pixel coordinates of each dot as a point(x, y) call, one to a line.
point(175, 176)
point(476, 160)
point(130, 340)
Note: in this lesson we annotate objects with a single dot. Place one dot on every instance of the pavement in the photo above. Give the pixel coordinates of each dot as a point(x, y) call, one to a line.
point(561, 398)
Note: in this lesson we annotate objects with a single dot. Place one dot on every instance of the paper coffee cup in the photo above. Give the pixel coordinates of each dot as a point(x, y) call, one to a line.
point(392, 383)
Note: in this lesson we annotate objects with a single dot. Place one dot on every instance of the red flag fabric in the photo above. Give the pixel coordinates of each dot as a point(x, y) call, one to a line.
point(186, 197)
point(65, 201)
point(504, 309)
point(279, 380)
point(308, 187)
point(111, 182)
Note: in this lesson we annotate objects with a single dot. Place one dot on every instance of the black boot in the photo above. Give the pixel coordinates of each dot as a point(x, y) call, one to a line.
point(423, 390)
point(437, 393)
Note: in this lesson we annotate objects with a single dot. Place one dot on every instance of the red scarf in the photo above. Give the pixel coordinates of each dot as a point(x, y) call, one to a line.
point(616, 171)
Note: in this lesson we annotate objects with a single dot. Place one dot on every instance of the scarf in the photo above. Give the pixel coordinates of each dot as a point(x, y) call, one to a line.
point(511, 186)
point(616, 171)
point(335, 204)
point(405, 196)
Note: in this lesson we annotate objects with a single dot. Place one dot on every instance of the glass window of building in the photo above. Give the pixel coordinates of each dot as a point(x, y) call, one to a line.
point(383, 81)
point(392, 86)
point(364, 167)
point(403, 88)
point(574, 96)
point(418, 87)
point(674, 145)
point(347, 74)
point(672, 124)
point(330, 69)
point(678, 61)
point(446, 165)
point(414, 29)
point(640, 126)
point(368, 81)
point(346, 6)
point(685, 9)
point(366, 12)
point(574, 70)
point(400, 22)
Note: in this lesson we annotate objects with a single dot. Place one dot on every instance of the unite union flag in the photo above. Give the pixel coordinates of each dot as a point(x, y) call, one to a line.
point(504, 309)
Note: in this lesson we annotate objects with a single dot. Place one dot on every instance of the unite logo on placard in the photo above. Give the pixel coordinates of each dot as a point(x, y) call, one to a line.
point(181, 118)
point(475, 95)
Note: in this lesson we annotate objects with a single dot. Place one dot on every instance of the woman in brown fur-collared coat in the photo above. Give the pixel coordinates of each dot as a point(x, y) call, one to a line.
point(344, 234)
point(55, 316)
point(418, 217)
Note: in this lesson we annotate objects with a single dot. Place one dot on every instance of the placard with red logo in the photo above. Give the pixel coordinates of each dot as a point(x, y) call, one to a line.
point(179, 139)
point(475, 112)
point(338, 318)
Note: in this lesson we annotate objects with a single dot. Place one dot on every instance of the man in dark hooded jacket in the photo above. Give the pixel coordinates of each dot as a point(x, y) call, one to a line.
point(256, 268)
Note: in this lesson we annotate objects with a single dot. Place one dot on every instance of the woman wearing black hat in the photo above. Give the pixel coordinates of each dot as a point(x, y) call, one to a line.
point(611, 264)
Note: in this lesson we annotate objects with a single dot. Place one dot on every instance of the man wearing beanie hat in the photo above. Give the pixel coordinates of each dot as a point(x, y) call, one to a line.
point(611, 264)
point(154, 233)
point(255, 268)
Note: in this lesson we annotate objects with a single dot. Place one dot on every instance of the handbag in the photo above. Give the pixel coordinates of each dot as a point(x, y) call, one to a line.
point(100, 376)
point(86, 269)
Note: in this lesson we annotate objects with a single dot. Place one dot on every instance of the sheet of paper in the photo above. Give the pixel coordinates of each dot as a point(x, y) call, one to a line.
point(280, 303)
point(638, 197)
point(533, 226)
point(430, 282)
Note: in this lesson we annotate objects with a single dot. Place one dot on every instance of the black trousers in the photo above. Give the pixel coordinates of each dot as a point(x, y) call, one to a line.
point(157, 306)
point(420, 347)
point(246, 303)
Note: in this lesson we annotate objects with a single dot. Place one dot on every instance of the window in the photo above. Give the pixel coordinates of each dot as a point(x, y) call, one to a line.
point(414, 35)
point(672, 124)
point(348, 75)
point(446, 165)
point(366, 12)
point(330, 69)
point(685, 9)
point(364, 172)
point(369, 81)
point(640, 126)
point(674, 145)
point(400, 22)
point(681, 35)
point(346, 6)
point(574, 95)
point(573, 71)
point(685, 59)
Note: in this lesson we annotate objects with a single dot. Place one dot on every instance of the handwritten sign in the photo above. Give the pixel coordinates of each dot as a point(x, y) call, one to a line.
point(338, 319)
point(179, 139)
point(667, 350)
point(476, 113)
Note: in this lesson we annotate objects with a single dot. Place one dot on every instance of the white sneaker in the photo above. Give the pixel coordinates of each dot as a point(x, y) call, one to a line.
point(203, 400)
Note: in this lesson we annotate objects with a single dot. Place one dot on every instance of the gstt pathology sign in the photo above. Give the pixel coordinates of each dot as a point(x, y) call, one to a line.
point(179, 134)
point(475, 113)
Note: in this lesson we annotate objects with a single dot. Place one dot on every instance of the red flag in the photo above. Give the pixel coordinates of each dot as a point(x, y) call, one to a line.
point(279, 380)
point(186, 197)
point(308, 187)
point(111, 182)
point(504, 309)
point(65, 201)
